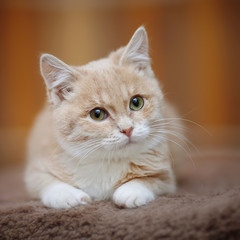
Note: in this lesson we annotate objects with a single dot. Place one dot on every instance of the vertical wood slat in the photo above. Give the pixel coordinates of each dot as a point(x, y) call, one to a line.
point(19, 66)
point(207, 68)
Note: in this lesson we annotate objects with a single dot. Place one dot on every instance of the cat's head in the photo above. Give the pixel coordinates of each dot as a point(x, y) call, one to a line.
point(107, 106)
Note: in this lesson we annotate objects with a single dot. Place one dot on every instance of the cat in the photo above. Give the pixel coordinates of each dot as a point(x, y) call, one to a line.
point(102, 133)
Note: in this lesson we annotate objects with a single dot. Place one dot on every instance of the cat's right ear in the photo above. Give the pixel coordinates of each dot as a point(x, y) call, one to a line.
point(58, 77)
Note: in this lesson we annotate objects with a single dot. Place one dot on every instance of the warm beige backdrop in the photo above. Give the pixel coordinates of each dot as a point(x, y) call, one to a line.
point(195, 47)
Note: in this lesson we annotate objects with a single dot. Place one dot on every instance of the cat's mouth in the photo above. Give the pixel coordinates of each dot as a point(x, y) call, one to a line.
point(127, 144)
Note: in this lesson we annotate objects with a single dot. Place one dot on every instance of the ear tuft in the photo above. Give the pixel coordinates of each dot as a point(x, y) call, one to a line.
point(136, 52)
point(58, 77)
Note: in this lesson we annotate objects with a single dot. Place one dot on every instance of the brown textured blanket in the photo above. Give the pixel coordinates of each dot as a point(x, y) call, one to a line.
point(206, 206)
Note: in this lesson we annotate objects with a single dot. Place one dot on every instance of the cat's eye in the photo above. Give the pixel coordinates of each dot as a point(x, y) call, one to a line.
point(98, 114)
point(136, 103)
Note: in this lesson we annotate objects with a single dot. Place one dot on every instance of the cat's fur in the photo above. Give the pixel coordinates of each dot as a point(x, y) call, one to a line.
point(73, 159)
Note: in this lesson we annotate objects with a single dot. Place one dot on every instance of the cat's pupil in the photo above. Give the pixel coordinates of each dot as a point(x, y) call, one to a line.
point(97, 113)
point(135, 102)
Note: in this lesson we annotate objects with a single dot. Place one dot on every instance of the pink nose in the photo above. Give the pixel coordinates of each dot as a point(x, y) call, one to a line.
point(127, 132)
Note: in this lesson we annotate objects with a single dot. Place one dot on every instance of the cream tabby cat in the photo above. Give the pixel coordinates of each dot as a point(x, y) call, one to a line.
point(101, 134)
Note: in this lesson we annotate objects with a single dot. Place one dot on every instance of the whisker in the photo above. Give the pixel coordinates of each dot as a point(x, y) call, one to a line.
point(179, 136)
point(184, 120)
point(90, 152)
point(179, 145)
point(85, 148)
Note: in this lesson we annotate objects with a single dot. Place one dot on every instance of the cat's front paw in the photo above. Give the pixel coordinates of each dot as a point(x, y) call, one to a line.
point(132, 194)
point(62, 196)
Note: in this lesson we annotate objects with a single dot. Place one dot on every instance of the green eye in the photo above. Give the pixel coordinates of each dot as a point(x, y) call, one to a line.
point(98, 114)
point(136, 103)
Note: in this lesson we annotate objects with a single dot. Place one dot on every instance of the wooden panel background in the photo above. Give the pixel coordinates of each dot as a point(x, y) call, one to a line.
point(194, 47)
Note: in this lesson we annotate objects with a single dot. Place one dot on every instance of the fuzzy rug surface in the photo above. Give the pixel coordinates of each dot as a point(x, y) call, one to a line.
point(206, 206)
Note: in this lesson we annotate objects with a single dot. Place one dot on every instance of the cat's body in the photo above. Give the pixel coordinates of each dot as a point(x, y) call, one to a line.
point(102, 134)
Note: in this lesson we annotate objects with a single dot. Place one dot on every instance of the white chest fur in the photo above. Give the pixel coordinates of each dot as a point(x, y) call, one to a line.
point(98, 178)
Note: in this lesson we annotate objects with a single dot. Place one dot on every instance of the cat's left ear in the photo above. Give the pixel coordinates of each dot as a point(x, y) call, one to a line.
point(136, 52)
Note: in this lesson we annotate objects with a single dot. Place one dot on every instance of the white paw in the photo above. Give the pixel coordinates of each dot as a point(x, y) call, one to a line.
point(132, 194)
point(62, 195)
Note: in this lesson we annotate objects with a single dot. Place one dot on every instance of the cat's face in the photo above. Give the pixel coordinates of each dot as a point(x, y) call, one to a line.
point(112, 107)
point(107, 107)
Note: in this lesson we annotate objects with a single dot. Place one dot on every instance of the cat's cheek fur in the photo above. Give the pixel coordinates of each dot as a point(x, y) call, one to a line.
point(132, 194)
point(61, 196)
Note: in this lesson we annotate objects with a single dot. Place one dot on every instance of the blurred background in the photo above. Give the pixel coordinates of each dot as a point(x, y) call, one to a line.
point(194, 45)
